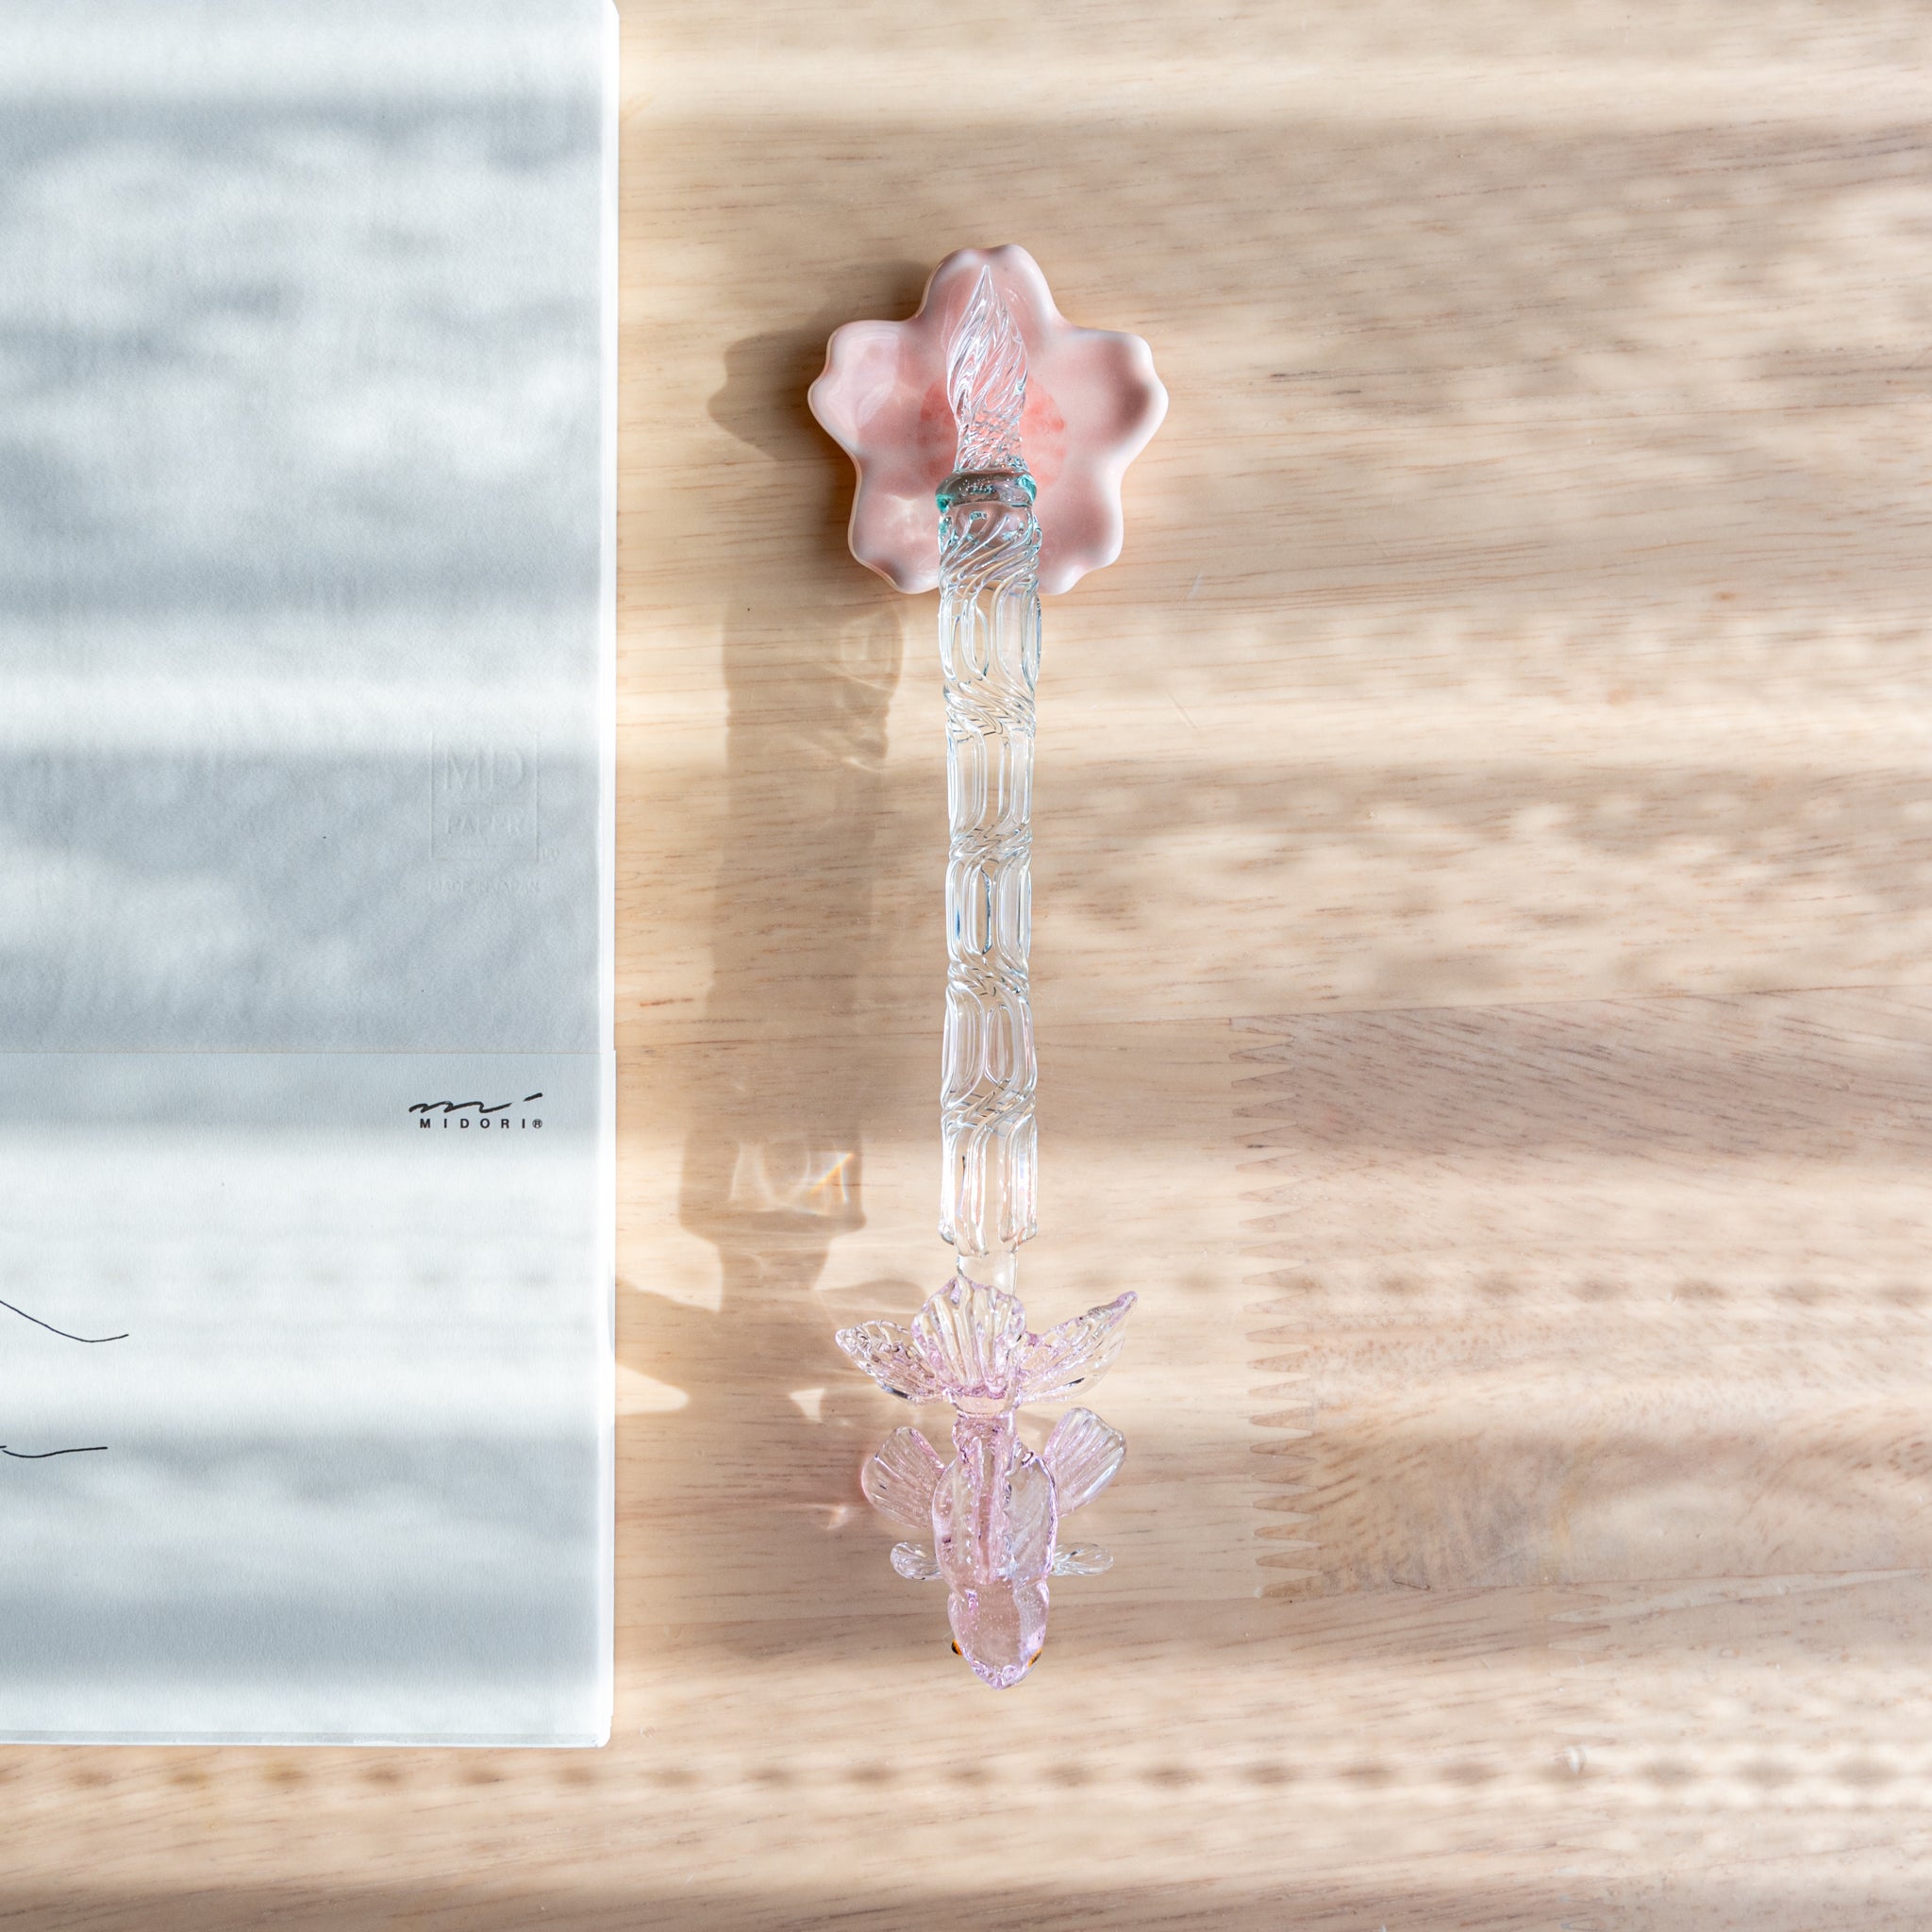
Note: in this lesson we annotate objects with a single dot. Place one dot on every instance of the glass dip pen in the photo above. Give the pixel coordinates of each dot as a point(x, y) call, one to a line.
point(990, 1518)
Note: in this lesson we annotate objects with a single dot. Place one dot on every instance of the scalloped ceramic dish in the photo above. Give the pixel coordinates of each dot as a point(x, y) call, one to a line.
point(1093, 402)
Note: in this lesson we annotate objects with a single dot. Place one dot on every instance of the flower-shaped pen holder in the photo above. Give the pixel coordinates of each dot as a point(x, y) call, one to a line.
point(990, 436)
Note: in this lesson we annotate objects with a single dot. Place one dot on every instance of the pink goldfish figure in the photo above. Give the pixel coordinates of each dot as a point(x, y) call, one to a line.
point(994, 1512)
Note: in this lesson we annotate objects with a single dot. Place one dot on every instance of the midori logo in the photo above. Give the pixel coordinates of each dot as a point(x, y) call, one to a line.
point(467, 1114)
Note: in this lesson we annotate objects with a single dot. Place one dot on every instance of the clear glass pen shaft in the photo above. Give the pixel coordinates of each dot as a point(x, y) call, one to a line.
point(989, 654)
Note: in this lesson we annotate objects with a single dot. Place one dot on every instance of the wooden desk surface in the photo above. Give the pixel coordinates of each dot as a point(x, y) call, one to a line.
point(1484, 891)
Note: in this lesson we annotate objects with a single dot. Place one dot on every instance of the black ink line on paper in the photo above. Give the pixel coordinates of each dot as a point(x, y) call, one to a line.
point(91, 1339)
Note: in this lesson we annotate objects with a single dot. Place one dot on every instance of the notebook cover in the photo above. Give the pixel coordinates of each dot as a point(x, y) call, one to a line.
point(307, 636)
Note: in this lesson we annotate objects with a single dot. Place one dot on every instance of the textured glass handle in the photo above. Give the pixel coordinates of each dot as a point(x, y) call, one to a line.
point(990, 656)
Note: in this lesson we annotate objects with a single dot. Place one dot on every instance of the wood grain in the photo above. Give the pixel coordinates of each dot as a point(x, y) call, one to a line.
point(1482, 890)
